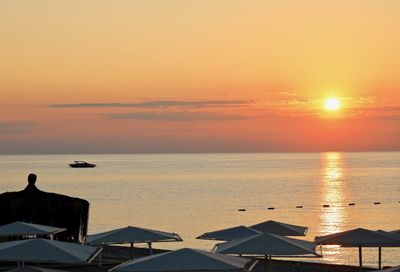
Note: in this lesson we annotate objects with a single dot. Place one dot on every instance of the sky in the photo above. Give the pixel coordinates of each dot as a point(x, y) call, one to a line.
point(198, 76)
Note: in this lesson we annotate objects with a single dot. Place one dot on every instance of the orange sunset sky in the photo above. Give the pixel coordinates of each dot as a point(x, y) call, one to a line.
point(199, 76)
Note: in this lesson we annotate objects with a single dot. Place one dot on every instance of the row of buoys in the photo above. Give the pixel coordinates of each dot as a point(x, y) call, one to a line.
point(300, 206)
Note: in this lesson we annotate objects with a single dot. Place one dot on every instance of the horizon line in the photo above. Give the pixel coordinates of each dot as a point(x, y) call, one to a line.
point(205, 152)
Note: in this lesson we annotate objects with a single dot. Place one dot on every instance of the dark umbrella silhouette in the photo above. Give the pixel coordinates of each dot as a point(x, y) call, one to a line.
point(32, 205)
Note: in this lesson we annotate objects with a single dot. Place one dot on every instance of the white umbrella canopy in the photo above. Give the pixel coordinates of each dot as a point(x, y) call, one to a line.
point(280, 228)
point(360, 238)
point(46, 251)
point(395, 232)
point(185, 259)
point(357, 237)
point(21, 228)
point(131, 235)
point(267, 244)
point(229, 234)
point(34, 269)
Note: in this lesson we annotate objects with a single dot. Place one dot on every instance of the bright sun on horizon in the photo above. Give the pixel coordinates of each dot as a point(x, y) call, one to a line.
point(332, 104)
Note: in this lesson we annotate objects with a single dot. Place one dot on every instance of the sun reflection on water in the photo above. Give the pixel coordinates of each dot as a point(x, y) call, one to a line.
point(332, 218)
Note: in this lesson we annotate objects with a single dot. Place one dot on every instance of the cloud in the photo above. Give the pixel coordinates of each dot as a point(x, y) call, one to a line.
point(293, 98)
point(384, 111)
point(390, 117)
point(175, 116)
point(8, 127)
point(289, 93)
point(387, 109)
point(158, 104)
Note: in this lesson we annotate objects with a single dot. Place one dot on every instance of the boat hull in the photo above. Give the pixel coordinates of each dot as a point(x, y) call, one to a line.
point(82, 166)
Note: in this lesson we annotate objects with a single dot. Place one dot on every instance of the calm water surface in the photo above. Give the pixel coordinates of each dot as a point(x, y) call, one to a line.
point(195, 193)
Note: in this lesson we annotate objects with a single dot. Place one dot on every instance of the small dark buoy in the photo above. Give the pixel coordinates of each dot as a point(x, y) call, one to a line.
point(299, 207)
point(352, 204)
point(242, 210)
point(325, 206)
point(377, 203)
point(271, 208)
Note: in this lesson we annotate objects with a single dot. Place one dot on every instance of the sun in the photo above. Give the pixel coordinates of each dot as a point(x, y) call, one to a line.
point(332, 104)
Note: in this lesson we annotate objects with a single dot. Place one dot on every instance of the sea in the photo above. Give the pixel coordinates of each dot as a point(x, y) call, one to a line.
point(191, 194)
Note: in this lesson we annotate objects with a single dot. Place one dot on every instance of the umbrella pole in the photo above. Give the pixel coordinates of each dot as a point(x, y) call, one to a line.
point(380, 257)
point(270, 263)
point(360, 256)
point(150, 249)
point(132, 251)
point(266, 263)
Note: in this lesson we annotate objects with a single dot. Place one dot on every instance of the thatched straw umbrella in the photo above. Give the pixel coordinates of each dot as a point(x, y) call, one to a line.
point(35, 206)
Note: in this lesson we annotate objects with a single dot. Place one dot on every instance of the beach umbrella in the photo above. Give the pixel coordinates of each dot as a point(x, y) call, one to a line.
point(39, 207)
point(17, 229)
point(34, 269)
point(229, 234)
point(185, 259)
point(267, 245)
point(360, 238)
point(131, 235)
point(280, 228)
point(395, 232)
point(269, 226)
point(391, 269)
point(46, 251)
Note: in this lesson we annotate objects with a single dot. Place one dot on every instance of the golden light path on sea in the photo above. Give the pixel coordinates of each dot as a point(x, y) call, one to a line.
point(332, 217)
